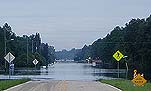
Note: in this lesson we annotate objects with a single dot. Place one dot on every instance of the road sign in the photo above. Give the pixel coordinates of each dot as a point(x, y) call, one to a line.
point(11, 66)
point(9, 57)
point(139, 80)
point(35, 62)
point(118, 55)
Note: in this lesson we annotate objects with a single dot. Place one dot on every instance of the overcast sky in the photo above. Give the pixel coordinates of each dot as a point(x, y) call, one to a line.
point(66, 24)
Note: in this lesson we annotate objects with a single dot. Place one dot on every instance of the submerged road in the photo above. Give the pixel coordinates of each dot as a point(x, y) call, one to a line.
point(54, 85)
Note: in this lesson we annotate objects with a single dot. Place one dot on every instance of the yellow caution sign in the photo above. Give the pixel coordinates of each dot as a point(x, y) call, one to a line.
point(138, 79)
point(118, 55)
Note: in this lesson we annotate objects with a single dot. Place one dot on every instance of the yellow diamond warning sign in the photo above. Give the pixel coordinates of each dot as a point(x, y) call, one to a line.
point(118, 55)
point(139, 80)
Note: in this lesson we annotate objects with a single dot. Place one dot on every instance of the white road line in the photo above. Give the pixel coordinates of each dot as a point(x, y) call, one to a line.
point(112, 86)
point(9, 89)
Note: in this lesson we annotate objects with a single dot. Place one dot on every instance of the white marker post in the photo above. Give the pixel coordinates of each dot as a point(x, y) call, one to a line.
point(126, 65)
point(35, 62)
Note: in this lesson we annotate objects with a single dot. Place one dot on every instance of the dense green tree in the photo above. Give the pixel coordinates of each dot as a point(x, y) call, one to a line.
point(66, 55)
point(20, 46)
point(133, 40)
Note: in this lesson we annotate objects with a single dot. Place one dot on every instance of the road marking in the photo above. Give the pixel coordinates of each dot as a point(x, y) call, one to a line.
point(61, 86)
point(112, 87)
point(58, 86)
point(9, 89)
point(64, 85)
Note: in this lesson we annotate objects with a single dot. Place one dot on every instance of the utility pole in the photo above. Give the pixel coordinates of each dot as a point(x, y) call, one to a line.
point(27, 50)
point(32, 47)
point(5, 47)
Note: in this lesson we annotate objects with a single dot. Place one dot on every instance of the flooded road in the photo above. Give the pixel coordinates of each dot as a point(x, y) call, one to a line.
point(66, 71)
point(64, 77)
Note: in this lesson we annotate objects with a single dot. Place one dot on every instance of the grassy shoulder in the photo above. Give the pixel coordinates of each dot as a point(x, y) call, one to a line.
point(127, 85)
point(5, 84)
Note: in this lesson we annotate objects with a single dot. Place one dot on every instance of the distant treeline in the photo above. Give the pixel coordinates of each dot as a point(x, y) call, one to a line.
point(66, 55)
point(133, 40)
point(21, 46)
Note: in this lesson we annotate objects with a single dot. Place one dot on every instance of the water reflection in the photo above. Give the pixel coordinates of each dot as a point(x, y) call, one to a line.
point(67, 71)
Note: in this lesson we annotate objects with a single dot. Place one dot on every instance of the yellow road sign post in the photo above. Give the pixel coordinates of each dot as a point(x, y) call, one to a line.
point(118, 56)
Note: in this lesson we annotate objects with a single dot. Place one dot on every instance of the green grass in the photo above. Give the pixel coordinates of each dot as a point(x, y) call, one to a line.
point(5, 84)
point(127, 85)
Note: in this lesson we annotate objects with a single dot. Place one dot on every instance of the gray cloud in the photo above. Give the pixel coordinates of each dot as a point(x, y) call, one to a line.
point(70, 23)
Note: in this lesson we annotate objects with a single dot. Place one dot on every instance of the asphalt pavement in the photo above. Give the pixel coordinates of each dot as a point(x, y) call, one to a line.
point(54, 85)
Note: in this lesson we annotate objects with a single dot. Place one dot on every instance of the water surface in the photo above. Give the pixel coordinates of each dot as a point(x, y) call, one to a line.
point(66, 71)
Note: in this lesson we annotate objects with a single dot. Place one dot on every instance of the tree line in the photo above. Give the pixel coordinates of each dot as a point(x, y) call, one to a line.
point(25, 48)
point(133, 40)
point(66, 55)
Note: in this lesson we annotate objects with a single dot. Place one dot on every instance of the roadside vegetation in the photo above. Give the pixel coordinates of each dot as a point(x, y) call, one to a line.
point(19, 46)
point(132, 40)
point(127, 85)
point(5, 84)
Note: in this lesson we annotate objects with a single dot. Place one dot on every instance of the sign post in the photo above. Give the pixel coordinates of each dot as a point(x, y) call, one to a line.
point(12, 68)
point(35, 62)
point(118, 67)
point(118, 56)
point(9, 58)
point(126, 65)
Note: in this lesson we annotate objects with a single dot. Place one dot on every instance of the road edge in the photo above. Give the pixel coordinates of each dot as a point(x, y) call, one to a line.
point(112, 86)
point(17, 85)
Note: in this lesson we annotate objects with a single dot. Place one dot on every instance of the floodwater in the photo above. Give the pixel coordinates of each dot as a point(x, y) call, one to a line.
point(66, 71)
